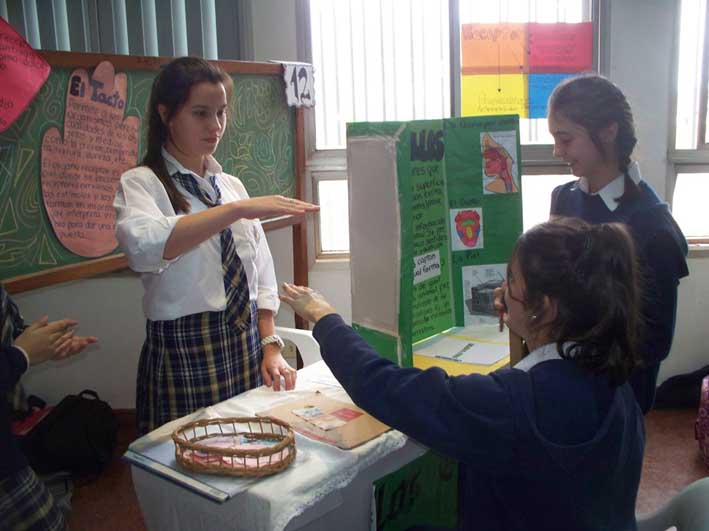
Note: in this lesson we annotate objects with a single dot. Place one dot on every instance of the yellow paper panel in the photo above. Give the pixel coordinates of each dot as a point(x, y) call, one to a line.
point(455, 368)
point(494, 94)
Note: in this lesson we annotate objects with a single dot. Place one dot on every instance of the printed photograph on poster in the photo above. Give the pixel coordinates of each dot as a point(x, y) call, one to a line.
point(479, 283)
point(500, 168)
point(466, 228)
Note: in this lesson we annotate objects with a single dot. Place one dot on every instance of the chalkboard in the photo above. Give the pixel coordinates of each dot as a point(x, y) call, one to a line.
point(262, 146)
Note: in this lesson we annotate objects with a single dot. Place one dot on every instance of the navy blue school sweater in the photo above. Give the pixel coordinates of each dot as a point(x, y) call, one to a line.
point(662, 252)
point(554, 448)
point(12, 365)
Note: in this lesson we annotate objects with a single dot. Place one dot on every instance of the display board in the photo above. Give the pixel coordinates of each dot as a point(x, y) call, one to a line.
point(435, 209)
point(54, 190)
point(421, 493)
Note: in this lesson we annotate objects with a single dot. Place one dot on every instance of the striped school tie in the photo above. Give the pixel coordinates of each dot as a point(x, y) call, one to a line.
point(236, 286)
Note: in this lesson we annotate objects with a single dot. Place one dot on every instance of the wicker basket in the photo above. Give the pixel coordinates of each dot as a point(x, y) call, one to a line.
point(235, 446)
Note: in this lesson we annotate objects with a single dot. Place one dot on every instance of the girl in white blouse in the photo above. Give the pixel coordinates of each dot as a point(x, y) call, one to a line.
point(192, 231)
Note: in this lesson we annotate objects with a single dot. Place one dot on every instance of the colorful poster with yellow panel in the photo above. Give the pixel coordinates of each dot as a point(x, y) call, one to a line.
point(511, 68)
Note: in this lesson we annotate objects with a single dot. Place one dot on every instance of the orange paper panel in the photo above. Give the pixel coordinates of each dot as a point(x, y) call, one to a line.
point(82, 164)
point(494, 48)
point(492, 94)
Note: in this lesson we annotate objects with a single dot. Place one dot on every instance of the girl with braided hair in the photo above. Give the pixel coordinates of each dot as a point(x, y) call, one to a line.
point(193, 233)
point(592, 125)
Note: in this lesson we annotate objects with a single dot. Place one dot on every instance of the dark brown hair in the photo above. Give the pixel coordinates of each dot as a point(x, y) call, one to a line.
point(594, 103)
point(591, 272)
point(171, 88)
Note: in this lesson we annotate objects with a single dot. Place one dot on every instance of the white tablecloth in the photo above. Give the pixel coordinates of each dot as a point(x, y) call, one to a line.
point(305, 495)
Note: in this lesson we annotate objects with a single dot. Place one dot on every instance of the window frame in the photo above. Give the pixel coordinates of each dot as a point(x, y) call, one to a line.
point(331, 164)
point(317, 176)
point(688, 160)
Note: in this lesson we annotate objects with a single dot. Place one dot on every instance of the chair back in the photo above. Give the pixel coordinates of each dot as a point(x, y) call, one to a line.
point(304, 340)
point(687, 511)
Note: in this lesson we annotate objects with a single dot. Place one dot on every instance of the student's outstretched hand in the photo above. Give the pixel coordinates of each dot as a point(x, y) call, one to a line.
point(44, 340)
point(273, 205)
point(306, 302)
point(72, 344)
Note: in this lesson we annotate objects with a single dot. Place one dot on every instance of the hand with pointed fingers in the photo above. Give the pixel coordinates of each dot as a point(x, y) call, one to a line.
point(273, 205)
point(306, 302)
point(274, 366)
point(44, 340)
point(72, 344)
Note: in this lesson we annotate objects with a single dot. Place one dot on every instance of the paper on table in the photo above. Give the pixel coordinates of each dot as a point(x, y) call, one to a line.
point(478, 344)
point(325, 419)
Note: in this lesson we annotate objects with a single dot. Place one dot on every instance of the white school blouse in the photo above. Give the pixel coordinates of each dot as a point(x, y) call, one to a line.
point(192, 282)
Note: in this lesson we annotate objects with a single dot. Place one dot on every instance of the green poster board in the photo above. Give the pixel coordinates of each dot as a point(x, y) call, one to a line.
point(435, 209)
point(423, 492)
point(259, 147)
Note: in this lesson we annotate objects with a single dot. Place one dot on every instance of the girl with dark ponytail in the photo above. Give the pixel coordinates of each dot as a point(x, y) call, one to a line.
point(593, 130)
point(192, 231)
point(555, 443)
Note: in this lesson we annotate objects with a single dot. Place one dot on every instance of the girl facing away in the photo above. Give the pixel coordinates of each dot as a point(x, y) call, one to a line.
point(594, 133)
point(555, 443)
point(192, 232)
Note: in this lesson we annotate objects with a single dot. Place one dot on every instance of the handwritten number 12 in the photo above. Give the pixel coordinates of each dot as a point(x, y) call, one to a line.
point(299, 74)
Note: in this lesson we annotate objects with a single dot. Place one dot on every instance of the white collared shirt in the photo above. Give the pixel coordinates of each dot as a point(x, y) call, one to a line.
point(538, 355)
point(192, 282)
point(614, 189)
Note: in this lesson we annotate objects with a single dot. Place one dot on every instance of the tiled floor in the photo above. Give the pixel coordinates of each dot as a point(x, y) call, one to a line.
point(671, 462)
point(672, 459)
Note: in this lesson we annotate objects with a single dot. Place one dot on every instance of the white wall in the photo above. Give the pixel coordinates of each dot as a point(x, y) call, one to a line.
point(274, 30)
point(110, 306)
point(641, 58)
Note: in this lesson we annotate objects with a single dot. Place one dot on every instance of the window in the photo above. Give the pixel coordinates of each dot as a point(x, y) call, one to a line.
point(688, 188)
point(123, 27)
point(334, 228)
point(690, 113)
point(532, 131)
point(368, 56)
point(382, 60)
point(690, 155)
point(539, 187)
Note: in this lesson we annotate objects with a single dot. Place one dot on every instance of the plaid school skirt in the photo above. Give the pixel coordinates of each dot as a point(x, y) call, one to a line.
point(192, 362)
point(26, 504)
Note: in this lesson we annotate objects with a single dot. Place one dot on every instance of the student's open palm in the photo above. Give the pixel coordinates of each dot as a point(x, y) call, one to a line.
point(306, 302)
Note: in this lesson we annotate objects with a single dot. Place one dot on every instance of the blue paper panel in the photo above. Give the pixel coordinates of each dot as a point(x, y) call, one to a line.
point(540, 87)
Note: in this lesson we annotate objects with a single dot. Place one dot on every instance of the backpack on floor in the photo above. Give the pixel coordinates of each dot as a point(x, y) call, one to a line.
point(701, 427)
point(77, 435)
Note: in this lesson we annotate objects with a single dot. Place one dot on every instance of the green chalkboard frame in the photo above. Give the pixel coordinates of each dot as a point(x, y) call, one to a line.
point(296, 187)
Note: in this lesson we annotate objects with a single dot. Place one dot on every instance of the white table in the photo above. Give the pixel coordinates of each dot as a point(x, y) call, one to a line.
point(323, 489)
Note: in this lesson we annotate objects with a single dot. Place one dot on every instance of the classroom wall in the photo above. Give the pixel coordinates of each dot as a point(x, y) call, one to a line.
point(642, 67)
point(110, 306)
